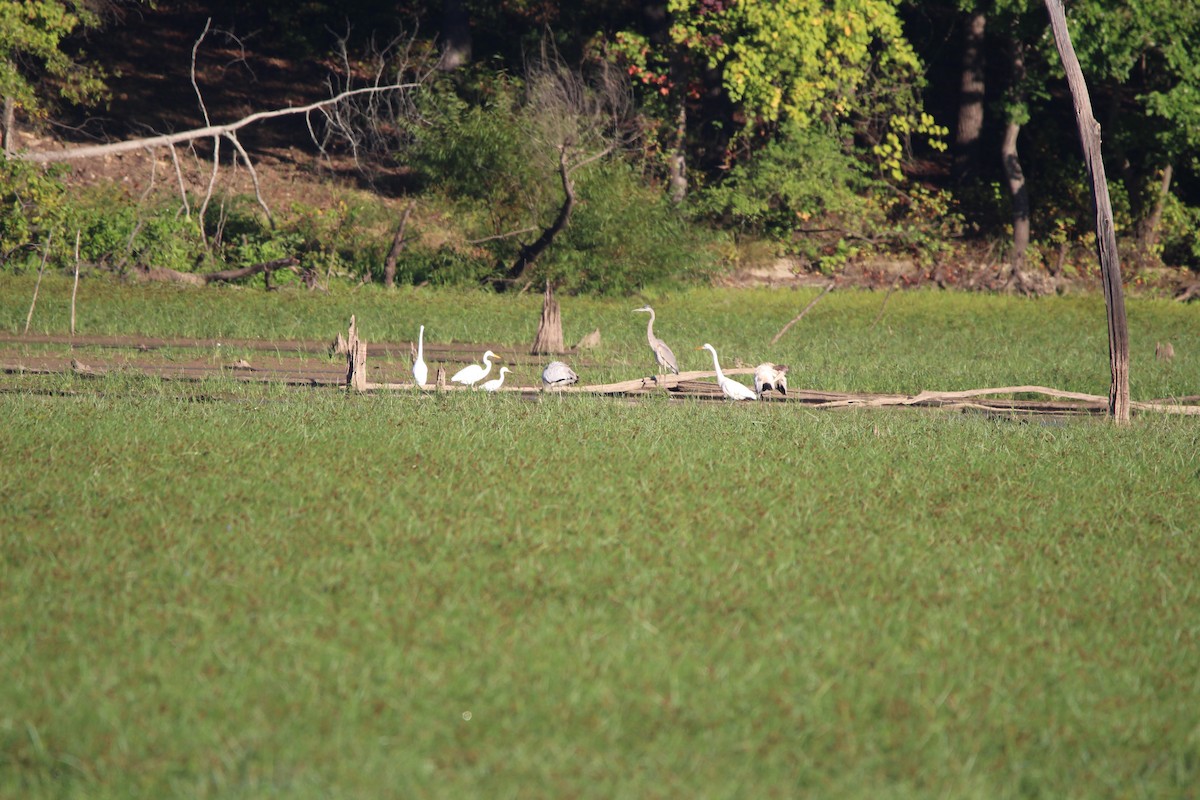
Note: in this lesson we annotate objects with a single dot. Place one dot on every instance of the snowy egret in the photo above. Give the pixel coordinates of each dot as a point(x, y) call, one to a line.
point(729, 387)
point(768, 377)
point(662, 353)
point(473, 374)
point(420, 372)
point(557, 373)
point(496, 383)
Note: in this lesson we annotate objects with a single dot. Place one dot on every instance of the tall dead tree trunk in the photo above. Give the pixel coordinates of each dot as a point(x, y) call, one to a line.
point(549, 337)
point(677, 163)
point(9, 121)
point(1020, 200)
point(970, 103)
point(1106, 237)
point(1147, 231)
point(456, 36)
point(656, 23)
point(1015, 177)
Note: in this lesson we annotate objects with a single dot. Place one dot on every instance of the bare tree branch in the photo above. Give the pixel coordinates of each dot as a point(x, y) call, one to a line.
point(186, 208)
point(800, 316)
point(91, 151)
point(253, 176)
point(195, 85)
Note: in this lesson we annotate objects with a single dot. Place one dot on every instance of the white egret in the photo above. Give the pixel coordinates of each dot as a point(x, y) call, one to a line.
point(496, 383)
point(768, 377)
point(662, 353)
point(557, 373)
point(420, 372)
point(473, 374)
point(729, 387)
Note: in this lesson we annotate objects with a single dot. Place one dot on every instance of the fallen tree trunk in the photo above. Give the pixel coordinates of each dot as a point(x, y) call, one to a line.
point(168, 275)
point(207, 132)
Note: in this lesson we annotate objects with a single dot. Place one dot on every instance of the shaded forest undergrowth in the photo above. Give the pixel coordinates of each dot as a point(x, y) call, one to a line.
point(149, 214)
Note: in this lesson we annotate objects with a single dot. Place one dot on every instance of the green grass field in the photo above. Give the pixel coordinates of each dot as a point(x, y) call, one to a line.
point(304, 594)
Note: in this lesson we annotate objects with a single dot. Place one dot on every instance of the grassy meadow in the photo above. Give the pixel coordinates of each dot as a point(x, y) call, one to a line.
point(261, 591)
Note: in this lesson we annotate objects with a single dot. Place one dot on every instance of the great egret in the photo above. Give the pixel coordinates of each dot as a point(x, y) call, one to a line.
point(662, 353)
point(420, 372)
point(729, 387)
point(496, 383)
point(768, 377)
point(557, 373)
point(473, 374)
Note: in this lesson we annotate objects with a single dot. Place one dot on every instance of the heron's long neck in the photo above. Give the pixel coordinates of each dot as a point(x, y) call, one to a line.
point(716, 365)
point(421, 343)
point(486, 369)
point(650, 326)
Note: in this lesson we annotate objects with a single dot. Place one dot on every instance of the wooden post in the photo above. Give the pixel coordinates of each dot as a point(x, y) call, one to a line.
point(356, 359)
point(75, 287)
point(441, 379)
point(1106, 237)
point(549, 338)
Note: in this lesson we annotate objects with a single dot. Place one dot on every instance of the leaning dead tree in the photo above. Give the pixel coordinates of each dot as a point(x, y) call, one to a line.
point(1106, 237)
point(574, 121)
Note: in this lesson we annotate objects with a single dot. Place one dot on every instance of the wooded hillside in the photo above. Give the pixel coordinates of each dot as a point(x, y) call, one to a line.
point(602, 145)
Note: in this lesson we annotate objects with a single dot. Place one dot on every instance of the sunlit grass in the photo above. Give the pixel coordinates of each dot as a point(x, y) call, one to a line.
point(244, 591)
point(924, 340)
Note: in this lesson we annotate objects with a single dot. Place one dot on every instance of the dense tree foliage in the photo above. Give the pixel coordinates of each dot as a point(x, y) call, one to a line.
point(819, 125)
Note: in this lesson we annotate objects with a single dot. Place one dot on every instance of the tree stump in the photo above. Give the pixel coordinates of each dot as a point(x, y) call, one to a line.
point(549, 338)
point(356, 359)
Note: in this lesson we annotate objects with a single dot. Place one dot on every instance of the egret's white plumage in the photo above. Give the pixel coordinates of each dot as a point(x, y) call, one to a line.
point(662, 353)
point(420, 372)
point(473, 374)
point(557, 373)
point(729, 387)
point(768, 377)
point(496, 383)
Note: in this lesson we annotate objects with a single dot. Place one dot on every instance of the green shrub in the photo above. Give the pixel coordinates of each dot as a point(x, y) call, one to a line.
point(804, 174)
point(32, 203)
point(481, 153)
point(115, 229)
point(623, 236)
point(1178, 239)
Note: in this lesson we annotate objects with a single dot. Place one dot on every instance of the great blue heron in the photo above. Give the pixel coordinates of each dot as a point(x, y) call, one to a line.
point(473, 374)
point(496, 383)
point(768, 377)
point(557, 373)
point(420, 372)
point(729, 387)
point(662, 353)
